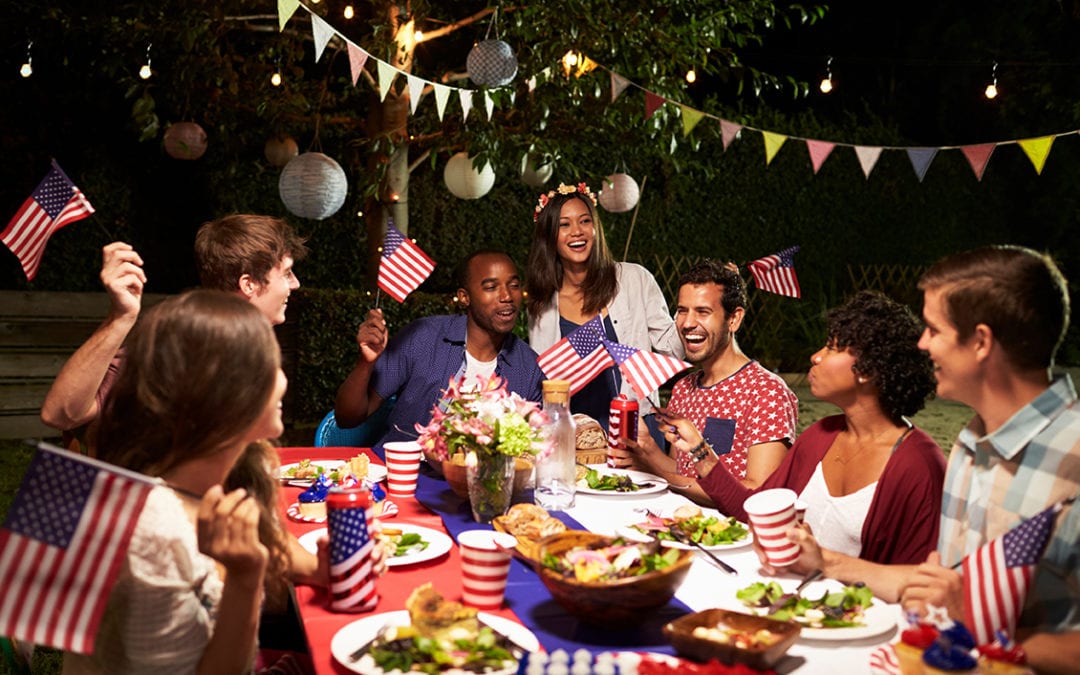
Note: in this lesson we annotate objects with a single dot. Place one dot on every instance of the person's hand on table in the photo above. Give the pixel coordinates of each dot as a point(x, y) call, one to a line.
point(932, 584)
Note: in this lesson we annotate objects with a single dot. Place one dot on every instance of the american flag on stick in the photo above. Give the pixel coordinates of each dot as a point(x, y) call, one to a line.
point(63, 544)
point(776, 273)
point(643, 369)
point(403, 266)
point(997, 575)
point(54, 203)
point(579, 357)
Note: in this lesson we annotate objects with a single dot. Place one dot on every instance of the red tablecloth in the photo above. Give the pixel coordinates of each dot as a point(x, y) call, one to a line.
point(394, 588)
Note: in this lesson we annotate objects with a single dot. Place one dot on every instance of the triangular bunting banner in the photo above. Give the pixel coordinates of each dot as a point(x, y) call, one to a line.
point(819, 152)
point(920, 159)
point(466, 102)
point(416, 90)
point(532, 84)
point(357, 59)
point(586, 66)
point(618, 85)
point(387, 73)
point(489, 104)
point(321, 32)
point(1037, 149)
point(285, 10)
point(978, 156)
point(652, 103)
point(868, 157)
point(728, 131)
point(690, 118)
point(773, 141)
point(442, 95)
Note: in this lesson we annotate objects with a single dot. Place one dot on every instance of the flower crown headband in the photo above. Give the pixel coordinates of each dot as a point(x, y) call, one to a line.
point(563, 189)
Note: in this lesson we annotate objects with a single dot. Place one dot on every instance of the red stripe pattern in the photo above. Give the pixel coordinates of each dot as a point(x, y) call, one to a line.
point(883, 661)
point(62, 546)
point(579, 357)
point(776, 273)
point(644, 370)
point(403, 266)
point(53, 204)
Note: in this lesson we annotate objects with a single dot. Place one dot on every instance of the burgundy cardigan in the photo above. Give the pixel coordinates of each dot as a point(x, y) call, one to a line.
point(901, 526)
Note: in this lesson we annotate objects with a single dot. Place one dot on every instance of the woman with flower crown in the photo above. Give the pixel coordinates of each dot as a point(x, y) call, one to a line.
point(573, 278)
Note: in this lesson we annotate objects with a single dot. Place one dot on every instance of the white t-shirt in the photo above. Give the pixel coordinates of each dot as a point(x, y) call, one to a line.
point(837, 522)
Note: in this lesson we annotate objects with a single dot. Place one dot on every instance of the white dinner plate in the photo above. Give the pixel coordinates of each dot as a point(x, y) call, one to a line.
point(878, 619)
point(389, 510)
point(352, 636)
point(650, 484)
point(376, 472)
point(628, 531)
point(438, 544)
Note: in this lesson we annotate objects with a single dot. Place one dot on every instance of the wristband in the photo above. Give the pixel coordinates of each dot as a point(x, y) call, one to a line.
point(699, 451)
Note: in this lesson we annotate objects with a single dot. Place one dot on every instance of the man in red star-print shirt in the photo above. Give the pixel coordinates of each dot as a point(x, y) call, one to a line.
point(732, 412)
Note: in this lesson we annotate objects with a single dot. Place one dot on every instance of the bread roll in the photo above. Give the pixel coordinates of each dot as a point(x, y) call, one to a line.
point(590, 435)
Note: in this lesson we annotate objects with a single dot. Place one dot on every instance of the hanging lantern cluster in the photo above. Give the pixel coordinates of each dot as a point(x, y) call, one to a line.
point(313, 185)
point(619, 193)
point(280, 149)
point(491, 63)
point(185, 140)
point(465, 182)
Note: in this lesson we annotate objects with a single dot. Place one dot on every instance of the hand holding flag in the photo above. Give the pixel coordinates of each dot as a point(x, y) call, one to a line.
point(579, 357)
point(403, 266)
point(776, 273)
point(643, 369)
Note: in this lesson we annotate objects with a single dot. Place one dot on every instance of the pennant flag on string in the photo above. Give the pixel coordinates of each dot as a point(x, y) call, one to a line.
point(819, 152)
point(442, 95)
point(643, 369)
point(579, 357)
point(776, 273)
point(357, 59)
point(618, 85)
point(920, 159)
point(690, 118)
point(54, 203)
point(868, 157)
point(62, 549)
point(532, 84)
point(728, 131)
point(285, 10)
point(489, 104)
point(998, 574)
point(403, 265)
point(416, 90)
point(773, 142)
point(652, 103)
point(321, 32)
point(1037, 150)
point(978, 156)
point(387, 73)
point(465, 95)
point(585, 66)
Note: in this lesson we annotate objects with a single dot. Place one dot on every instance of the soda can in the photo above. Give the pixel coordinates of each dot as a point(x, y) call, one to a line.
point(622, 423)
point(351, 518)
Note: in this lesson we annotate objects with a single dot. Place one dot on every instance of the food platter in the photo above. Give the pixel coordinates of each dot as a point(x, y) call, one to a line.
point(649, 483)
point(376, 472)
point(877, 619)
point(438, 544)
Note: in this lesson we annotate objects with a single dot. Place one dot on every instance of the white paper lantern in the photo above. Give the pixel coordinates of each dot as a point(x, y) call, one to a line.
point(619, 193)
point(185, 140)
point(313, 186)
point(280, 149)
point(491, 63)
point(465, 182)
point(535, 175)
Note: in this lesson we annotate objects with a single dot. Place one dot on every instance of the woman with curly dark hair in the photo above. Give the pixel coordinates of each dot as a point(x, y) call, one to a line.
point(871, 481)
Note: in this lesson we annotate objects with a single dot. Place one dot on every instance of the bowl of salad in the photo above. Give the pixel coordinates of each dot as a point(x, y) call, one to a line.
point(610, 580)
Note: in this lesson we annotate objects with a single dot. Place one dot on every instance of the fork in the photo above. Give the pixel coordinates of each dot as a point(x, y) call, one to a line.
point(682, 537)
point(379, 634)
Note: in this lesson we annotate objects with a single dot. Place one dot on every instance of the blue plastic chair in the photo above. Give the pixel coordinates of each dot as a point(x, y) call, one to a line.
point(329, 434)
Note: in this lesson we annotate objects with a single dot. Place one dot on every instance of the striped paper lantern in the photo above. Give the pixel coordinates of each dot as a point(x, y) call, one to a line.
point(313, 185)
point(185, 140)
point(619, 193)
point(491, 63)
point(465, 182)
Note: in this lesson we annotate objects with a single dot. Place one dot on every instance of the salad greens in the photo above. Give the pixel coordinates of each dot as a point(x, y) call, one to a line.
point(702, 529)
point(405, 543)
point(618, 560)
point(426, 655)
point(835, 609)
point(615, 482)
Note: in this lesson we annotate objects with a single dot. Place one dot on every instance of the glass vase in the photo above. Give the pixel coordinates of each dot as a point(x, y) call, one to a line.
point(491, 485)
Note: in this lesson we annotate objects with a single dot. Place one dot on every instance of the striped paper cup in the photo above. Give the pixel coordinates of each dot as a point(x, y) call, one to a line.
point(772, 514)
point(402, 467)
point(485, 564)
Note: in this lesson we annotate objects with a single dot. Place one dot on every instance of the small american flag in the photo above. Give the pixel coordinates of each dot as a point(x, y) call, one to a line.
point(53, 204)
point(352, 577)
point(998, 574)
point(62, 546)
point(579, 357)
point(403, 266)
point(776, 273)
point(645, 370)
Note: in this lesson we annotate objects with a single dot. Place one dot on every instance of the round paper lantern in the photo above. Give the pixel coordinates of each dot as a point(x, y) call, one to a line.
point(491, 63)
point(535, 175)
point(185, 140)
point(280, 149)
point(619, 193)
point(465, 182)
point(313, 186)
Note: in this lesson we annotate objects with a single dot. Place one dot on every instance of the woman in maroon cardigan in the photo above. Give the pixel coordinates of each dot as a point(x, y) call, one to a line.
point(872, 481)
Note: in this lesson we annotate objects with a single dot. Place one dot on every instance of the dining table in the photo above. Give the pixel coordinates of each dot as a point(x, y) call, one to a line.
point(707, 585)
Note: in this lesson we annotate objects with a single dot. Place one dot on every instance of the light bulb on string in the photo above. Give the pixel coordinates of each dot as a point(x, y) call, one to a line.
point(826, 85)
point(275, 79)
point(991, 90)
point(348, 13)
point(691, 76)
point(28, 68)
point(145, 71)
point(418, 36)
point(569, 60)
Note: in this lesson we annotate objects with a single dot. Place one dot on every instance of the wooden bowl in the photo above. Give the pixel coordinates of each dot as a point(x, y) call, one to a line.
point(619, 602)
point(453, 470)
point(680, 633)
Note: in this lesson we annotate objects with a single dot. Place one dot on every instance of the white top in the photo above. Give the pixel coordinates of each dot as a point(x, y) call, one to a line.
point(837, 522)
point(161, 611)
point(475, 368)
